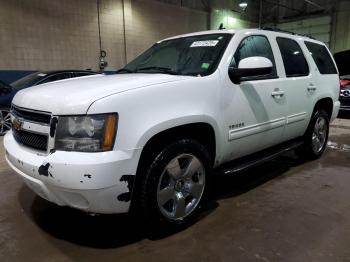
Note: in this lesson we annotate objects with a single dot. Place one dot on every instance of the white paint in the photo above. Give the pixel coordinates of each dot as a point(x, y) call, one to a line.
point(151, 103)
point(254, 62)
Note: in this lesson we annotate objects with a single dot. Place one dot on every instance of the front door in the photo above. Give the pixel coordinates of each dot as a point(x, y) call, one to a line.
point(254, 110)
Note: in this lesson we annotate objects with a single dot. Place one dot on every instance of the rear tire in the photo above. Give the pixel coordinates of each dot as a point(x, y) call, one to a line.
point(316, 136)
point(5, 120)
point(176, 185)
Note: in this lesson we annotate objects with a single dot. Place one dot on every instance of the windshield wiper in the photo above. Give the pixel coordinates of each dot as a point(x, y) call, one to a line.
point(124, 70)
point(160, 69)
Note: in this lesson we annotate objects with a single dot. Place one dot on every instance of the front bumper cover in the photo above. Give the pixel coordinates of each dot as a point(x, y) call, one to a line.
point(93, 182)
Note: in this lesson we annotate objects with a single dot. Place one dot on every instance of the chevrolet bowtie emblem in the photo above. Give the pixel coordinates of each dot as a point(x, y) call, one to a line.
point(17, 124)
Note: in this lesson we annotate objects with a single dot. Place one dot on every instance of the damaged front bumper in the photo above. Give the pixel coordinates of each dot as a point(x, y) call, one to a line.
point(93, 182)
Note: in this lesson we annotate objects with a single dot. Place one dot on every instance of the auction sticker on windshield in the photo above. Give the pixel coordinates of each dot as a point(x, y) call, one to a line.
point(205, 43)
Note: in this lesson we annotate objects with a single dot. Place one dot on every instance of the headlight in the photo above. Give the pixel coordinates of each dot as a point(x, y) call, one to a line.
point(91, 133)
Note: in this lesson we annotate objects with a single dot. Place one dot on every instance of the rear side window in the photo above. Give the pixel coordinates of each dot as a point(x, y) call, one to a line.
point(293, 58)
point(255, 45)
point(322, 58)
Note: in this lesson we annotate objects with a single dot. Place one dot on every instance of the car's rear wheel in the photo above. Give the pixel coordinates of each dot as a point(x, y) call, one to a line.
point(5, 120)
point(176, 184)
point(316, 136)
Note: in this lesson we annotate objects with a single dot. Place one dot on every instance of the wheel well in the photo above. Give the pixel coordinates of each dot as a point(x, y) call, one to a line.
point(201, 132)
point(326, 104)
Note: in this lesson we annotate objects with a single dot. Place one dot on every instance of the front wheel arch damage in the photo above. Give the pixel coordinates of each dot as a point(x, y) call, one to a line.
point(203, 133)
point(129, 180)
point(44, 170)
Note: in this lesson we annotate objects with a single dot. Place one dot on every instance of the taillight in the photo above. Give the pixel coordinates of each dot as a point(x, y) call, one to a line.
point(344, 83)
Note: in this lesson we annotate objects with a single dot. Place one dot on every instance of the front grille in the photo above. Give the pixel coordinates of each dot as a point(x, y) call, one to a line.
point(31, 140)
point(31, 116)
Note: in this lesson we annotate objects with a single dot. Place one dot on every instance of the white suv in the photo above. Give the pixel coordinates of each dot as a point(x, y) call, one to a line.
point(150, 136)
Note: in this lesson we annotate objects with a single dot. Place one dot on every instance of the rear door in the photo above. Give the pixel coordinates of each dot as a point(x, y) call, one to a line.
point(328, 78)
point(299, 86)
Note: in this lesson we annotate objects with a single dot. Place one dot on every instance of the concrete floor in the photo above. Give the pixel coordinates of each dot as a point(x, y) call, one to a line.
point(282, 211)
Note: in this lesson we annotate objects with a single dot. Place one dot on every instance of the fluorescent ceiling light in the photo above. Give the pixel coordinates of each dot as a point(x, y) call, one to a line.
point(243, 4)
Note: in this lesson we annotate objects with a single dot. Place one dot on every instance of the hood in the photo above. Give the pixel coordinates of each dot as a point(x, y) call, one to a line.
point(74, 96)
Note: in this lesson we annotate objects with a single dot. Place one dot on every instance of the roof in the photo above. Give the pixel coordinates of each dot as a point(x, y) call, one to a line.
point(209, 32)
point(248, 31)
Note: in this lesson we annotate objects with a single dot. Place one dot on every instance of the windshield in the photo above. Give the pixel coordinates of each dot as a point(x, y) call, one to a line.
point(28, 80)
point(194, 55)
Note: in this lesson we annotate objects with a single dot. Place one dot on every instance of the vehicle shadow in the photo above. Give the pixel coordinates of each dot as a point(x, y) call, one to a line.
point(99, 231)
point(112, 231)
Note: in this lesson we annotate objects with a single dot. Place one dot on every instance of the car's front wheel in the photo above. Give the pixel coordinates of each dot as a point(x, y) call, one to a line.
point(176, 184)
point(5, 120)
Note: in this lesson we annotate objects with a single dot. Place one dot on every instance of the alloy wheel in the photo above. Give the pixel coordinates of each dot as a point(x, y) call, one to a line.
point(319, 135)
point(5, 121)
point(181, 187)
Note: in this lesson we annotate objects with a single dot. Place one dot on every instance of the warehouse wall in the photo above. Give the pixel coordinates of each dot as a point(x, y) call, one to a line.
point(333, 29)
point(318, 27)
point(341, 27)
point(63, 34)
point(229, 19)
point(228, 13)
point(152, 21)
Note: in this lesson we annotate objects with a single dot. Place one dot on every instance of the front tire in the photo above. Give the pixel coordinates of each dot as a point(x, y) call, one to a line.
point(316, 136)
point(176, 185)
point(5, 120)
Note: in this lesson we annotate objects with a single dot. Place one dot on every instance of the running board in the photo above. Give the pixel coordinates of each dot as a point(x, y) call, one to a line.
point(239, 165)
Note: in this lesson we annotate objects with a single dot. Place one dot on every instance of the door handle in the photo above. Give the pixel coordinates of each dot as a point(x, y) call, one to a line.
point(311, 88)
point(277, 94)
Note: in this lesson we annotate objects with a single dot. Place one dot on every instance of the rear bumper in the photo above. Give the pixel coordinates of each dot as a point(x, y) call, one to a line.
point(93, 182)
point(344, 103)
point(336, 108)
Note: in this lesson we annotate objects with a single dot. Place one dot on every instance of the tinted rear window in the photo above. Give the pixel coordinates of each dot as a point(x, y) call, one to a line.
point(322, 58)
point(293, 58)
point(342, 60)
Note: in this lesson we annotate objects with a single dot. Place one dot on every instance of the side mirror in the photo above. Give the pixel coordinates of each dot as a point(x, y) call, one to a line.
point(250, 67)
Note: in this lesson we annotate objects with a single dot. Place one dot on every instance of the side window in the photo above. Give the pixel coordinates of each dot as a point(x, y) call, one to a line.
point(255, 45)
point(293, 58)
point(322, 58)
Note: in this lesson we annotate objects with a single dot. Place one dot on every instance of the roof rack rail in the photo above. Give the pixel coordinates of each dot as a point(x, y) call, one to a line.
point(287, 32)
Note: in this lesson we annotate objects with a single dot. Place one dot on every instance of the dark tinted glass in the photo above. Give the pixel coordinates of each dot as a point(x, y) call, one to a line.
point(4, 89)
point(78, 74)
point(255, 45)
point(57, 77)
point(342, 59)
point(28, 80)
point(293, 58)
point(322, 58)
